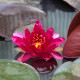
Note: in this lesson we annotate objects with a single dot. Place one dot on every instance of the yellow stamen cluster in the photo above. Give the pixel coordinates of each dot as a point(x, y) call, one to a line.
point(37, 44)
point(38, 40)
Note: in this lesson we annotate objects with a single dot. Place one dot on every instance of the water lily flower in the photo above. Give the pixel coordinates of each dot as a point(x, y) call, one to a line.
point(38, 43)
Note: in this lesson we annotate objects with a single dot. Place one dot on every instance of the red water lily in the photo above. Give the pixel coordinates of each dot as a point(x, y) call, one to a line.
point(38, 43)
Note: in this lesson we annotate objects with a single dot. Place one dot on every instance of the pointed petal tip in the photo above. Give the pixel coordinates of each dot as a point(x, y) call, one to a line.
point(56, 35)
point(13, 39)
point(58, 49)
point(24, 57)
point(37, 21)
point(49, 33)
point(27, 34)
point(18, 35)
point(37, 26)
point(56, 55)
point(19, 50)
point(62, 39)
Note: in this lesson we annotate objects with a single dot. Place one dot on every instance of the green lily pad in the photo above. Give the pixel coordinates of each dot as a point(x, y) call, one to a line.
point(13, 70)
point(68, 71)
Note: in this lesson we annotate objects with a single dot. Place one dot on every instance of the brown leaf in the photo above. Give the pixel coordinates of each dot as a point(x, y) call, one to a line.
point(72, 46)
point(74, 3)
point(16, 16)
point(74, 24)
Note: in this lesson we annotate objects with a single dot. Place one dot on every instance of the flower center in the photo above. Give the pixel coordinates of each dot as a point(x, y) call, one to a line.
point(37, 44)
point(38, 40)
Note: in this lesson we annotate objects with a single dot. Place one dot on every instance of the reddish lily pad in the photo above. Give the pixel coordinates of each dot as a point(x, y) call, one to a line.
point(74, 24)
point(72, 45)
point(42, 65)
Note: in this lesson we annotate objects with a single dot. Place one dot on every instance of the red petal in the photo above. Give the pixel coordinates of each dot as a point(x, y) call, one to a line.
point(41, 32)
point(37, 26)
point(46, 56)
point(34, 55)
point(56, 35)
point(56, 55)
point(49, 33)
point(27, 40)
point(27, 34)
point(58, 41)
point(20, 42)
point(54, 43)
point(36, 50)
point(24, 57)
point(18, 35)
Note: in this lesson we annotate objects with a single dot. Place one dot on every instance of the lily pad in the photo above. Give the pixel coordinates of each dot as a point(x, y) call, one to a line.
point(68, 71)
point(74, 23)
point(13, 70)
point(71, 47)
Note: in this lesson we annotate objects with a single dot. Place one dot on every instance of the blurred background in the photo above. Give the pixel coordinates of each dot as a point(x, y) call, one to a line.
point(54, 13)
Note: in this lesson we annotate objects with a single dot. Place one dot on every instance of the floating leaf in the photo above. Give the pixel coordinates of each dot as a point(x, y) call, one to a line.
point(68, 71)
point(74, 24)
point(74, 3)
point(16, 16)
point(72, 46)
point(13, 70)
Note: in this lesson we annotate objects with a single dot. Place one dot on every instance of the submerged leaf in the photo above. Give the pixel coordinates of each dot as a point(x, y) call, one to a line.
point(16, 16)
point(26, 2)
point(22, 29)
